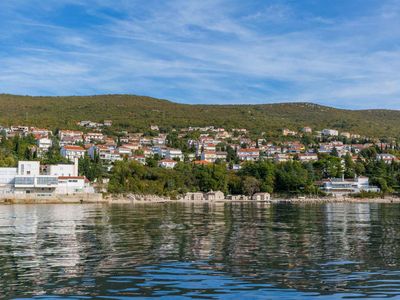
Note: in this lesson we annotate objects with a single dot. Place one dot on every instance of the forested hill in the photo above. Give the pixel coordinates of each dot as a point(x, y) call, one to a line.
point(137, 112)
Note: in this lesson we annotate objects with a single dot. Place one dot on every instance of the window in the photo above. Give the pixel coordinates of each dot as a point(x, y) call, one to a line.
point(47, 180)
point(24, 180)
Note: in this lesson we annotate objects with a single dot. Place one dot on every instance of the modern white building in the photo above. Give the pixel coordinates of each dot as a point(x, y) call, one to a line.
point(27, 179)
point(341, 186)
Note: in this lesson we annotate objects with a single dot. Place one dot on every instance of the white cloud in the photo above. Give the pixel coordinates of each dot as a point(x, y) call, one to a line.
point(203, 51)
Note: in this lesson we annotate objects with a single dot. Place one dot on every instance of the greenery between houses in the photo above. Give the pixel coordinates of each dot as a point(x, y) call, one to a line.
point(292, 177)
point(135, 113)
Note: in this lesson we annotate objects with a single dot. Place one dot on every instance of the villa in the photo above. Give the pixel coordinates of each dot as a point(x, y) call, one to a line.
point(28, 179)
point(342, 186)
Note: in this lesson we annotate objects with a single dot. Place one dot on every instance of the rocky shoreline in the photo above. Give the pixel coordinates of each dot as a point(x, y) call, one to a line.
point(126, 199)
point(133, 199)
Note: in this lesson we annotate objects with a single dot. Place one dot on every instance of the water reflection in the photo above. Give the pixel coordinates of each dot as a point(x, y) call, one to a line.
point(200, 250)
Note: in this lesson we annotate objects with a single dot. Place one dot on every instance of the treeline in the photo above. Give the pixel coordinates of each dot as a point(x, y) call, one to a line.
point(133, 113)
point(292, 177)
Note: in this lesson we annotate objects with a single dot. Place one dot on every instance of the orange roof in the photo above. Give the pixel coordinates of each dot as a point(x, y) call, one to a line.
point(209, 152)
point(201, 162)
point(249, 150)
point(73, 147)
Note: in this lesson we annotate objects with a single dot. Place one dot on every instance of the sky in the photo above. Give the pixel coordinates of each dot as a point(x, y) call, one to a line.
point(342, 53)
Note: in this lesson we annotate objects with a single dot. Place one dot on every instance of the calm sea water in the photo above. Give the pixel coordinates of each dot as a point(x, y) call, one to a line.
point(201, 251)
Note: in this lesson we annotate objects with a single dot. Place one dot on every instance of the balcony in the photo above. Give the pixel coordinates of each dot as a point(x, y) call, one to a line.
point(41, 181)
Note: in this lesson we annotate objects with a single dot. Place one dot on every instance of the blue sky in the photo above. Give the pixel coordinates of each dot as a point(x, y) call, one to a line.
point(344, 53)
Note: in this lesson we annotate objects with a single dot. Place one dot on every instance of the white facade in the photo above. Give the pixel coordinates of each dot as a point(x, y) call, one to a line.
point(261, 197)
point(26, 168)
point(174, 154)
point(330, 132)
point(44, 144)
point(26, 179)
point(72, 152)
point(64, 169)
point(167, 163)
point(341, 186)
point(72, 185)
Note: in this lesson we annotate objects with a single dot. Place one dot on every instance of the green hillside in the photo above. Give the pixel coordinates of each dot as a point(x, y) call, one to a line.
point(138, 112)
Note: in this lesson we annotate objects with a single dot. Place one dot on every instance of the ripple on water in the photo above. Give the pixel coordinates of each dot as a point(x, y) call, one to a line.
point(203, 251)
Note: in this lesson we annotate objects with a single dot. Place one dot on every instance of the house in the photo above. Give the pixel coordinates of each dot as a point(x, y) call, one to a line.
point(288, 132)
point(64, 169)
point(44, 144)
point(70, 133)
point(73, 185)
point(71, 152)
point(386, 157)
point(347, 135)
point(106, 153)
point(27, 179)
point(279, 158)
point(107, 123)
point(167, 163)
point(306, 129)
point(307, 157)
point(124, 151)
point(195, 196)
point(221, 155)
point(330, 132)
point(214, 196)
point(295, 147)
point(248, 154)
point(174, 154)
point(261, 197)
point(40, 132)
point(342, 186)
point(70, 137)
point(93, 137)
point(139, 158)
point(210, 156)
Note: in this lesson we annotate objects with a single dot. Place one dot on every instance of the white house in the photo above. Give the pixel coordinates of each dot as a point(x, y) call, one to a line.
point(386, 157)
point(214, 196)
point(174, 154)
point(308, 157)
point(70, 133)
point(261, 197)
point(210, 156)
point(167, 163)
point(73, 185)
point(94, 137)
point(27, 179)
point(64, 169)
point(44, 144)
point(249, 154)
point(341, 186)
point(71, 152)
point(330, 132)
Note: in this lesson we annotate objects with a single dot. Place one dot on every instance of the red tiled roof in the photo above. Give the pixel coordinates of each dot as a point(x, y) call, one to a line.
point(73, 147)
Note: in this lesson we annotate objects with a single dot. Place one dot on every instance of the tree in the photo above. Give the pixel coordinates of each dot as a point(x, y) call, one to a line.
point(251, 185)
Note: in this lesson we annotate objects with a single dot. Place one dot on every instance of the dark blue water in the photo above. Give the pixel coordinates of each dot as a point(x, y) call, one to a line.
point(200, 251)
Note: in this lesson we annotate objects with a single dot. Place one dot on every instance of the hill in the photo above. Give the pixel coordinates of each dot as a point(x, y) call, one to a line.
point(138, 112)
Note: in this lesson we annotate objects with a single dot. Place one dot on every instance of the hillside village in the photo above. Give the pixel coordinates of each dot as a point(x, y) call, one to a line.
point(331, 161)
